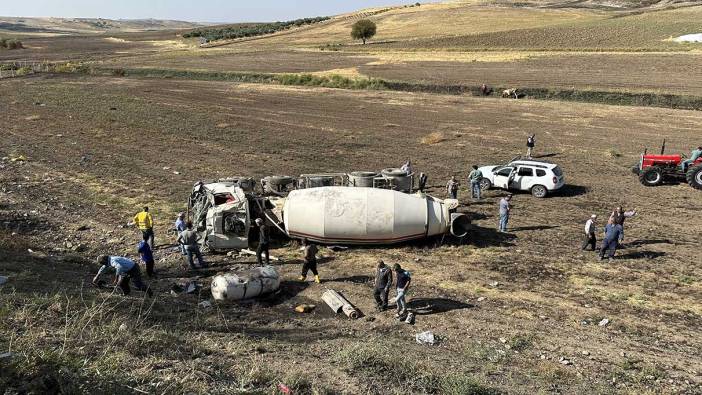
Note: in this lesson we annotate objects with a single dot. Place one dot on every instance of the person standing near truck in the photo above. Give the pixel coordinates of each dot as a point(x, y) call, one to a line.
point(531, 142)
point(383, 282)
point(474, 178)
point(505, 209)
point(190, 240)
point(590, 236)
point(180, 227)
point(264, 240)
point(145, 222)
point(452, 188)
point(310, 251)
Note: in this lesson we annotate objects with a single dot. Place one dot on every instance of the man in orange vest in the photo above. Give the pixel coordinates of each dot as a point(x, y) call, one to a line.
point(145, 223)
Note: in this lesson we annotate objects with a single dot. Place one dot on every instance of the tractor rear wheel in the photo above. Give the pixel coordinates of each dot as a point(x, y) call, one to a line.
point(694, 176)
point(651, 177)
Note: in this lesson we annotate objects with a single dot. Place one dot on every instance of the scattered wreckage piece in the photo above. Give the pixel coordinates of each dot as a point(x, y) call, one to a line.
point(338, 304)
point(341, 215)
point(260, 281)
point(305, 308)
point(246, 251)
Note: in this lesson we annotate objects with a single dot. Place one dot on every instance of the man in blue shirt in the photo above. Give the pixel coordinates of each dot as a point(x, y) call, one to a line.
point(125, 271)
point(147, 257)
point(696, 154)
point(403, 282)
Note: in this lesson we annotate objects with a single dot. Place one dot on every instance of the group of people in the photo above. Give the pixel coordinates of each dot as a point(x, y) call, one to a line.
point(383, 284)
point(613, 233)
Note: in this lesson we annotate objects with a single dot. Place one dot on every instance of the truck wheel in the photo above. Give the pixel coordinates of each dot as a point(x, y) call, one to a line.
point(651, 177)
point(539, 191)
point(694, 176)
point(485, 184)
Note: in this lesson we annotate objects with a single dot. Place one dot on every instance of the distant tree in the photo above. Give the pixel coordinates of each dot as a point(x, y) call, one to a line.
point(363, 30)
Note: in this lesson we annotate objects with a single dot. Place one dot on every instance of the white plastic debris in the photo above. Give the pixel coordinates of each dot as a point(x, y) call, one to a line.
point(426, 338)
point(604, 322)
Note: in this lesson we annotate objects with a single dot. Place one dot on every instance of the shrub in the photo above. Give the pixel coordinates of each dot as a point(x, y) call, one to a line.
point(12, 44)
point(363, 30)
point(433, 138)
point(24, 70)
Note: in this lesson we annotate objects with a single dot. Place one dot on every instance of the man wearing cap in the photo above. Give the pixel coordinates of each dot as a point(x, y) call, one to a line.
point(125, 271)
point(590, 238)
point(264, 240)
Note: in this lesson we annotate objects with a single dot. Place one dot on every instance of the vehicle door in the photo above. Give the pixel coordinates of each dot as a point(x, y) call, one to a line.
point(523, 179)
point(502, 177)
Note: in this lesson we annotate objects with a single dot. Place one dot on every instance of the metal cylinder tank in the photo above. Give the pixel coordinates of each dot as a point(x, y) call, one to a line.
point(363, 215)
point(399, 180)
point(362, 179)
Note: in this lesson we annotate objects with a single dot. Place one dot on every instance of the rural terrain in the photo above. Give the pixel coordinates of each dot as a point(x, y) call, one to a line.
point(120, 119)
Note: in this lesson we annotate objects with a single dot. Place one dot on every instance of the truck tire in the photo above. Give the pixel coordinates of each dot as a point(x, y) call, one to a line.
point(694, 176)
point(651, 177)
point(539, 191)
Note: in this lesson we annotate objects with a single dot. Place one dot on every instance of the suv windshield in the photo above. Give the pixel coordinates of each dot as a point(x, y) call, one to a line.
point(557, 171)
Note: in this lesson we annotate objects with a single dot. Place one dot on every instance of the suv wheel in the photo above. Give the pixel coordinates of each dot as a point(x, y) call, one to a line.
point(539, 191)
point(485, 184)
point(694, 176)
point(651, 177)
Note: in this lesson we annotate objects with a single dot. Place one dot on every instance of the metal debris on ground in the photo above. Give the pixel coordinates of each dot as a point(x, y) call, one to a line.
point(191, 287)
point(338, 304)
point(427, 338)
point(410, 319)
point(205, 304)
point(604, 322)
point(305, 308)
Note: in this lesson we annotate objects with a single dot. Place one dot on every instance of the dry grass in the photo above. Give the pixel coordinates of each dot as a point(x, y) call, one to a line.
point(433, 138)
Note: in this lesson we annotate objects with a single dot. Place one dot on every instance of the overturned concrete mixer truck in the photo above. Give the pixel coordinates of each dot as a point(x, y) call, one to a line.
point(332, 208)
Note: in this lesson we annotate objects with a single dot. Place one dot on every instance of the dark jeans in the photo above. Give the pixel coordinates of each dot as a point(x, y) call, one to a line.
point(133, 275)
point(194, 250)
point(310, 264)
point(149, 268)
point(263, 248)
point(148, 235)
point(381, 297)
point(453, 194)
point(590, 240)
point(610, 245)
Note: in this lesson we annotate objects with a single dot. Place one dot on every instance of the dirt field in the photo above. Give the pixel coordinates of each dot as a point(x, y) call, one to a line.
point(507, 308)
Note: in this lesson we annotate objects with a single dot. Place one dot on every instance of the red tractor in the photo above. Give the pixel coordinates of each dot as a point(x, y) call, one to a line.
point(654, 169)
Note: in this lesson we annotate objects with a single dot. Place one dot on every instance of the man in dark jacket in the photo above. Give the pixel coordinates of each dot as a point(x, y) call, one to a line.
point(383, 282)
point(310, 264)
point(612, 233)
point(264, 240)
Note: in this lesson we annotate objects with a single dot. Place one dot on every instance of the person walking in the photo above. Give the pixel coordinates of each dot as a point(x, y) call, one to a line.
point(126, 271)
point(180, 227)
point(310, 251)
point(190, 240)
point(452, 188)
point(264, 240)
point(474, 178)
point(531, 142)
point(505, 209)
point(147, 257)
point(145, 222)
point(590, 236)
point(611, 240)
point(403, 282)
point(383, 282)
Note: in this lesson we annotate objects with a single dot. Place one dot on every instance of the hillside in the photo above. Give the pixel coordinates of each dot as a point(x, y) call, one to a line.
point(63, 26)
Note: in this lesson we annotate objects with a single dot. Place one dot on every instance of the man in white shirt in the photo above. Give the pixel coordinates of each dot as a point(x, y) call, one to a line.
point(590, 237)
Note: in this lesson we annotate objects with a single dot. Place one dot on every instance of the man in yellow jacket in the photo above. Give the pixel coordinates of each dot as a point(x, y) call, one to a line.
point(145, 223)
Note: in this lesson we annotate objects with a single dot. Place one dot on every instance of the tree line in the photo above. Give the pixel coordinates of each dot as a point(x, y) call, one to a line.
point(251, 30)
point(9, 43)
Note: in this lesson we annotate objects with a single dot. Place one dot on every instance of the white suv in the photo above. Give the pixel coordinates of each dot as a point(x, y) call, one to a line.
point(538, 177)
